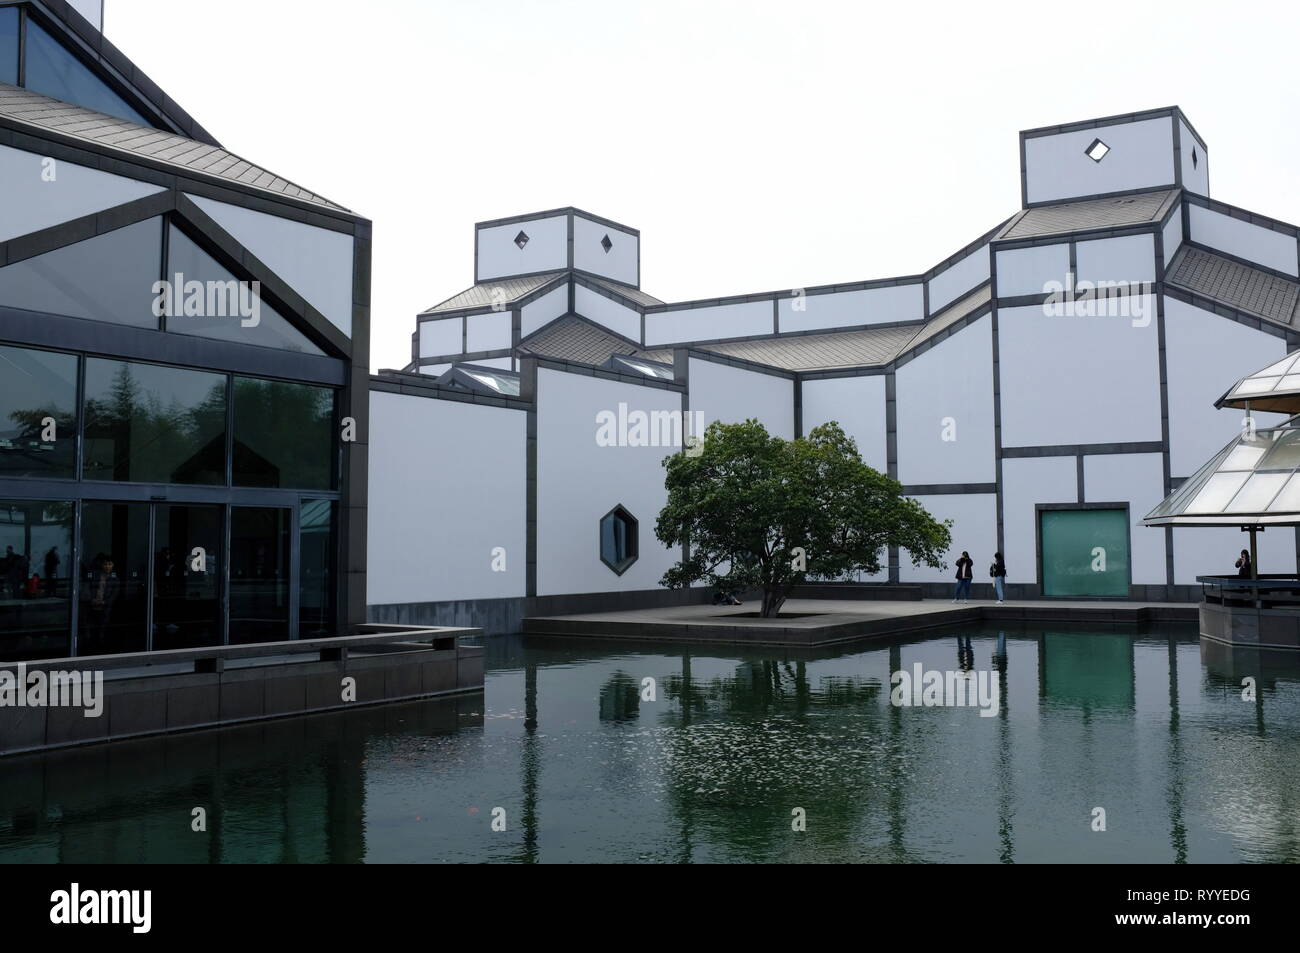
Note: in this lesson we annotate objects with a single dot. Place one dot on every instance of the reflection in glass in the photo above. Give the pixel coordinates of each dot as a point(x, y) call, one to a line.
point(38, 400)
point(317, 569)
point(259, 574)
point(35, 590)
point(53, 71)
point(266, 328)
point(151, 424)
point(106, 278)
point(187, 571)
point(114, 577)
point(284, 435)
point(9, 46)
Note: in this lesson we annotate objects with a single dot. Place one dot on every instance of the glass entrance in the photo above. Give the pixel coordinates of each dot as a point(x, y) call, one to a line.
point(259, 574)
point(114, 612)
point(187, 571)
point(1085, 552)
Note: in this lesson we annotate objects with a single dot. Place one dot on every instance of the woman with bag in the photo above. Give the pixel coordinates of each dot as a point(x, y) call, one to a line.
point(964, 566)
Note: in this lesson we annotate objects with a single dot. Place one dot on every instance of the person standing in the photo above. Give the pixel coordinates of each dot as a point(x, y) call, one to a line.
point(999, 573)
point(964, 575)
point(1243, 564)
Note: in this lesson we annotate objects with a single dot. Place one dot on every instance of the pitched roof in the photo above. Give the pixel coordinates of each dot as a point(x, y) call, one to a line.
point(951, 315)
point(632, 294)
point(572, 338)
point(189, 155)
point(1236, 285)
point(1091, 213)
point(486, 293)
point(807, 352)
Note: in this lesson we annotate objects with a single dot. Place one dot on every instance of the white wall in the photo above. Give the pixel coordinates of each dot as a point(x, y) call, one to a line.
point(578, 482)
point(959, 278)
point(1141, 156)
point(316, 262)
point(620, 262)
point(1172, 236)
point(544, 310)
point(1026, 482)
point(1071, 380)
point(707, 324)
point(974, 529)
point(447, 486)
point(92, 10)
point(442, 336)
point(547, 248)
point(1026, 271)
point(487, 332)
point(596, 307)
point(1204, 356)
point(1244, 240)
point(858, 405)
point(1137, 479)
point(1212, 550)
point(952, 381)
point(31, 203)
point(892, 303)
point(733, 395)
point(1196, 177)
point(1130, 258)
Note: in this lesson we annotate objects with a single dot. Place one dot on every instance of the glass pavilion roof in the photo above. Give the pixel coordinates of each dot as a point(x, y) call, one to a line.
point(1254, 480)
point(1275, 388)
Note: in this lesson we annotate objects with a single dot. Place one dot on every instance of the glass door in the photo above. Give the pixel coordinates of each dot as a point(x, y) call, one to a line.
point(114, 611)
point(259, 574)
point(187, 572)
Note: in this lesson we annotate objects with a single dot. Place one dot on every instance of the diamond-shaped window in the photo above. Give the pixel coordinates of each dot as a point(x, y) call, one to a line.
point(521, 239)
point(1097, 150)
point(618, 539)
point(1194, 157)
point(606, 244)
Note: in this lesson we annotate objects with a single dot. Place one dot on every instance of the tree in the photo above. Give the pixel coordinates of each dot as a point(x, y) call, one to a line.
point(756, 511)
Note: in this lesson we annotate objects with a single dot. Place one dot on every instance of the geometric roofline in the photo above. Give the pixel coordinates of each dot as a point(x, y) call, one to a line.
point(113, 66)
point(29, 113)
point(212, 238)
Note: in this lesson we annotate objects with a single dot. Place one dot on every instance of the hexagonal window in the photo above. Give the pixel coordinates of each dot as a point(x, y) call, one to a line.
point(618, 539)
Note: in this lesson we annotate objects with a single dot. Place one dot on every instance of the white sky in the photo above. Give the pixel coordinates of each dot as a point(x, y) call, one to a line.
point(757, 146)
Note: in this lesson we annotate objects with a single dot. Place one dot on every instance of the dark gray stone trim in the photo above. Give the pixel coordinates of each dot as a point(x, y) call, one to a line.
point(873, 370)
point(1117, 120)
point(891, 454)
point(967, 249)
point(422, 385)
point(1163, 365)
point(569, 251)
point(102, 339)
point(798, 407)
point(784, 293)
point(1029, 301)
point(1233, 211)
point(528, 392)
point(714, 358)
point(1232, 314)
point(521, 301)
point(589, 370)
point(1220, 253)
point(1178, 153)
point(1080, 490)
point(1078, 234)
point(995, 339)
point(464, 357)
point(516, 327)
point(1092, 196)
point(1083, 449)
point(912, 352)
point(941, 489)
point(72, 149)
point(88, 226)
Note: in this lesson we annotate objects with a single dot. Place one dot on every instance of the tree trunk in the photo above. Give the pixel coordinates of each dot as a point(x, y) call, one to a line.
point(773, 599)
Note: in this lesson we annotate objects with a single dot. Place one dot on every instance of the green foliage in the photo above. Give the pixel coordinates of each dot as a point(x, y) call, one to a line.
point(749, 501)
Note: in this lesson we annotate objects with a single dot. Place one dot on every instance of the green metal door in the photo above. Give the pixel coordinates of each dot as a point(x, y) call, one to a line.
point(1085, 552)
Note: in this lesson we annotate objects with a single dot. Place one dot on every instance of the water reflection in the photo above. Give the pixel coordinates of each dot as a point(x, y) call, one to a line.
point(591, 762)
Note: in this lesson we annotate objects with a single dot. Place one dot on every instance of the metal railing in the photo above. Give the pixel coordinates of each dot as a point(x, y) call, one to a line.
point(1270, 591)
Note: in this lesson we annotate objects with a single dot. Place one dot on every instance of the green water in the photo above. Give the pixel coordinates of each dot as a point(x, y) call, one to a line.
point(1150, 726)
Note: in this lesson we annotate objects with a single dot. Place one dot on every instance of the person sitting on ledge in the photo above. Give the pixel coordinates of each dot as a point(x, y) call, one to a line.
point(721, 598)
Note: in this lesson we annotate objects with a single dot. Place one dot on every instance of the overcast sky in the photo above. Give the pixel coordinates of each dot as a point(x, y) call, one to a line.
point(757, 146)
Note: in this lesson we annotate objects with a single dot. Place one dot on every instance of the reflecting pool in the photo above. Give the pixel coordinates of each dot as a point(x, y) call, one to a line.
point(586, 750)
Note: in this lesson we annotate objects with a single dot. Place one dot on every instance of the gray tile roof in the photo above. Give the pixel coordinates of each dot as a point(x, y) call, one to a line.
point(188, 155)
point(807, 352)
point(1236, 285)
point(485, 293)
point(1093, 213)
point(576, 339)
point(633, 294)
point(951, 315)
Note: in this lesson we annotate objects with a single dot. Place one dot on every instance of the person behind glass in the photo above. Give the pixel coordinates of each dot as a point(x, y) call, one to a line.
point(104, 590)
point(998, 570)
point(52, 571)
point(964, 575)
point(1243, 564)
